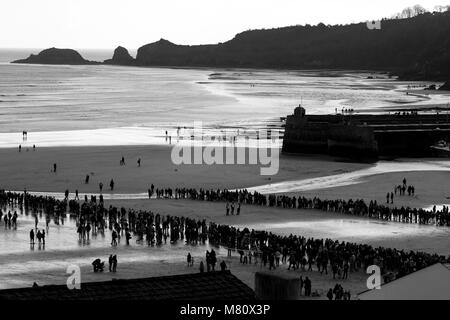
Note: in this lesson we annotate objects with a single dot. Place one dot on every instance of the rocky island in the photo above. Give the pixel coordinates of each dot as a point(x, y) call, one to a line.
point(56, 56)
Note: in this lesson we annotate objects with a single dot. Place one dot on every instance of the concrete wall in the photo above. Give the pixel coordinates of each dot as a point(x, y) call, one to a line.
point(365, 136)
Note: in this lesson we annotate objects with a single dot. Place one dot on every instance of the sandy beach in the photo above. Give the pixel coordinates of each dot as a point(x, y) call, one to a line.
point(32, 170)
point(310, 175)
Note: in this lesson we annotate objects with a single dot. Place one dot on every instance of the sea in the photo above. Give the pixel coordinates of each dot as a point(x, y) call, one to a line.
point(111, 105)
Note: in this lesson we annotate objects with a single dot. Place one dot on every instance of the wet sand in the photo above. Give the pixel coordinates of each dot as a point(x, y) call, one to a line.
point(308, 223)
point(20, 265)
point(311, 176)
point(32, 170)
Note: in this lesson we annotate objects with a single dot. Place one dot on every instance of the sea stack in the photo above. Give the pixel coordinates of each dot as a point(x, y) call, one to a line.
point(121, 57)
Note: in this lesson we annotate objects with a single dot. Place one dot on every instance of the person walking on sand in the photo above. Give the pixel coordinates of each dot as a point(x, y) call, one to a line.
point(139, 162)
point(111, 184)
point(20, 147)
point(54, 167)
point(100, 185)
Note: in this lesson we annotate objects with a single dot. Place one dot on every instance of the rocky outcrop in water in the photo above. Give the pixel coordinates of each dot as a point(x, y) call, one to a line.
point(445, 86)
point(121, 57)
point(56, 56)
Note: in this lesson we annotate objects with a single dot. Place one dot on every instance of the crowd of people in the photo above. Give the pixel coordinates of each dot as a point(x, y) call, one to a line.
point(357, 207)
point(326, 256)
point(9, 219)
point(401, 190)
point(263, 247)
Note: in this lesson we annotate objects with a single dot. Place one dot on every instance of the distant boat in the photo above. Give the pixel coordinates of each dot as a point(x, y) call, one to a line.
point(441, 149)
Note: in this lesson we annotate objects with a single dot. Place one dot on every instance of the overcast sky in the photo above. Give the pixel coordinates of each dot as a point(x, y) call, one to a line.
point(132, 23)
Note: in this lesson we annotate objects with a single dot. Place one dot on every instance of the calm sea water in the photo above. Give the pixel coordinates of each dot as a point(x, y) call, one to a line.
point(79, 98)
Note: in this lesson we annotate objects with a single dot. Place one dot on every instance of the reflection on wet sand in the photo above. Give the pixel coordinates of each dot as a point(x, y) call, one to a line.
point(350, 178)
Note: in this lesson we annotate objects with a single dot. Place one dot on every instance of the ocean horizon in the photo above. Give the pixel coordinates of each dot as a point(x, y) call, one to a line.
point(87, 99)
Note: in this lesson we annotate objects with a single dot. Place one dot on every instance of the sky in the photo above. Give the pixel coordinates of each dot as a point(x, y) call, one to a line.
point(105, 24)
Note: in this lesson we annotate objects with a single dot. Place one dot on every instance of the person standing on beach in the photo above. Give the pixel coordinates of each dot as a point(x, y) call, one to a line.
point(110, 262)
point(32, 237)
point(307, 287)
point(100, 185)
point(139, 162)
point(189, 259)
point(127, 236)
point(111, 184)
point(20, 147)
point(54, 167)
point(114, 263)
point(223, 266)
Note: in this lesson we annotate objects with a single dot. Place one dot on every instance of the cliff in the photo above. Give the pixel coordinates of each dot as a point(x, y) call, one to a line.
point(414, 48)
point(56, 56)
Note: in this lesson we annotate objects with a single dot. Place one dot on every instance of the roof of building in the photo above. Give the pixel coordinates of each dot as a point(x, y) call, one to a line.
point(431, 283)
point(199, 286)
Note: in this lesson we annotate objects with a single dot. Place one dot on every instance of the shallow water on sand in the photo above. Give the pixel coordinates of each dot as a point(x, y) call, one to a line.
point(319, 183)
point(354, 177)
point(21, 263)
point(39, 98)
point(63, 248)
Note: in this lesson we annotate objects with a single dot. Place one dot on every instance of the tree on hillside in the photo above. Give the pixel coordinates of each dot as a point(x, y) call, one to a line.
point(442, 8)
point(411, 12)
